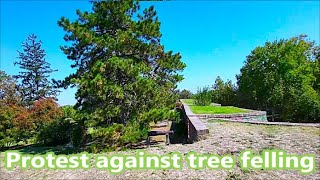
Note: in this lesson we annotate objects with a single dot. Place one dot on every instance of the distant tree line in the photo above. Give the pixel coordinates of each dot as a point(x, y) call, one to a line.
point(184, 94)
point(281, 77)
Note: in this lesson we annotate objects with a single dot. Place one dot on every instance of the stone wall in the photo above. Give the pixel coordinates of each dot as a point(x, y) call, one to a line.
point(197, 130)
point(252, 115)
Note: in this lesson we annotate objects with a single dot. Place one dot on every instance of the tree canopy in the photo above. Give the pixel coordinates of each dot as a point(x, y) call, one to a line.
point(185, 94)
point(123, 73)
point(223, 92)
point(282, 76)
point(8, 90)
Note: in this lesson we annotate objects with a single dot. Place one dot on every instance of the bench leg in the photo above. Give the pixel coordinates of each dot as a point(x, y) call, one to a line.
point(167, 139)
point(148, 141)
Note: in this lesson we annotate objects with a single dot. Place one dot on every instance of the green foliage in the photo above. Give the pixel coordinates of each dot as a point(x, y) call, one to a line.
point(8, 130)
point(9, 110)
point(64, 129)
point(34, 83)
point(124, 76)
point(8, 90)
point(203, 97)
point(107, 138)
point(282, 77)
point(77, 135)
point(57, 132)
point(77, 130)
point(38, 120)
point(158, 115)
point(188, 101)
point(44, 112)
point(185, 94)
point(117, 135)
point(224, 93)
point(69, 112)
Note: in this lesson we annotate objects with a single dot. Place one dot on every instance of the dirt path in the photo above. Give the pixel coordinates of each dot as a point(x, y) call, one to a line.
point(224, 138)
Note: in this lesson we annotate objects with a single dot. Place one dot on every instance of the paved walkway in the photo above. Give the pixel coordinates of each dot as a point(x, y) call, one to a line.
point(271, 123)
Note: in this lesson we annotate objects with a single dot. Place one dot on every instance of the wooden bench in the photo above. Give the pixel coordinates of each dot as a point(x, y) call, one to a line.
point(158, 133)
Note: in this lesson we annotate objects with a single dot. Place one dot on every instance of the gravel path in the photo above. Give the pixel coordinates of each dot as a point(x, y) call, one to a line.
point(224, 138)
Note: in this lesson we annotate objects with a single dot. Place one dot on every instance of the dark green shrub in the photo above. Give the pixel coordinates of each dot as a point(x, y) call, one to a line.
point(57, 132)
point(77, 135)
point(106, 138)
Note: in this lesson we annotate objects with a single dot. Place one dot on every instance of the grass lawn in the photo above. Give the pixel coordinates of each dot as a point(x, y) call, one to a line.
point(212, 109)
point(188, 101)
point(216, 110)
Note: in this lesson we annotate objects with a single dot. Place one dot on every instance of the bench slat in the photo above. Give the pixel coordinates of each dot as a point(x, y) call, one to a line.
point(156, 133)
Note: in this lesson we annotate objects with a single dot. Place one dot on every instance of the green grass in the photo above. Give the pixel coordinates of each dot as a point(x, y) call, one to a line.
point(188, 101)
point(216, 110)
point(212, 109)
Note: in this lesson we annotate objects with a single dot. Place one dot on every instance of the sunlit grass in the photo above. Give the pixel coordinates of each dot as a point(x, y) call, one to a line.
point(188, 101)
point(216, 110)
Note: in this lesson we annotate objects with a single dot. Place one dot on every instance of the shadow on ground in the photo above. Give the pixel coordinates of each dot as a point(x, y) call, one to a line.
point(39, 149)
point(179, 137)
point(180, 133)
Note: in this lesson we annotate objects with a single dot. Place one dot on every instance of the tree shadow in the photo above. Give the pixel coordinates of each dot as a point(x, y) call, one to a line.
point(40, 149)
point(143, 144)
point(180, 134)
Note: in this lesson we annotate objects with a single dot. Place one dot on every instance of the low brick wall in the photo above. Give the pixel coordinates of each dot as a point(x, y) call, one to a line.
point(197, 130)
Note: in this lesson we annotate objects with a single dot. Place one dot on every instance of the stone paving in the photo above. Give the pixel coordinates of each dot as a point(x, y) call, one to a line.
point(224, 138)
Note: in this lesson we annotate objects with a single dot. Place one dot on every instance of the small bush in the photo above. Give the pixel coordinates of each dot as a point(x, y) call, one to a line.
point(106, 138)
point(57, 132)
point(203, 97)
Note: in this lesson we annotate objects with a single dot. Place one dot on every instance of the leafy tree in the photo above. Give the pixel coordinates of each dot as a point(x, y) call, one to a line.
point(34, 77)
point(280, 77)
point(8, 90)
point(316, 56)
point(34, 120)
point(8, 129)
point(18, 123)
point(60, 128)
point(10, 108)
point(45, 111)
point(57, 132)
point(123, 74)
point(185, 94)
point(203, 97)
point(224, 92)
point(69, 112)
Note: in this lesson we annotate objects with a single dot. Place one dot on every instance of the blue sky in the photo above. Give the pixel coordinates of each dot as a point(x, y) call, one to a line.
point(213, 37)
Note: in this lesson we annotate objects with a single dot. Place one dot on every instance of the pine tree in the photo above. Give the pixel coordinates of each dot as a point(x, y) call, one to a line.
point(124, 76)
point(34, 83)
